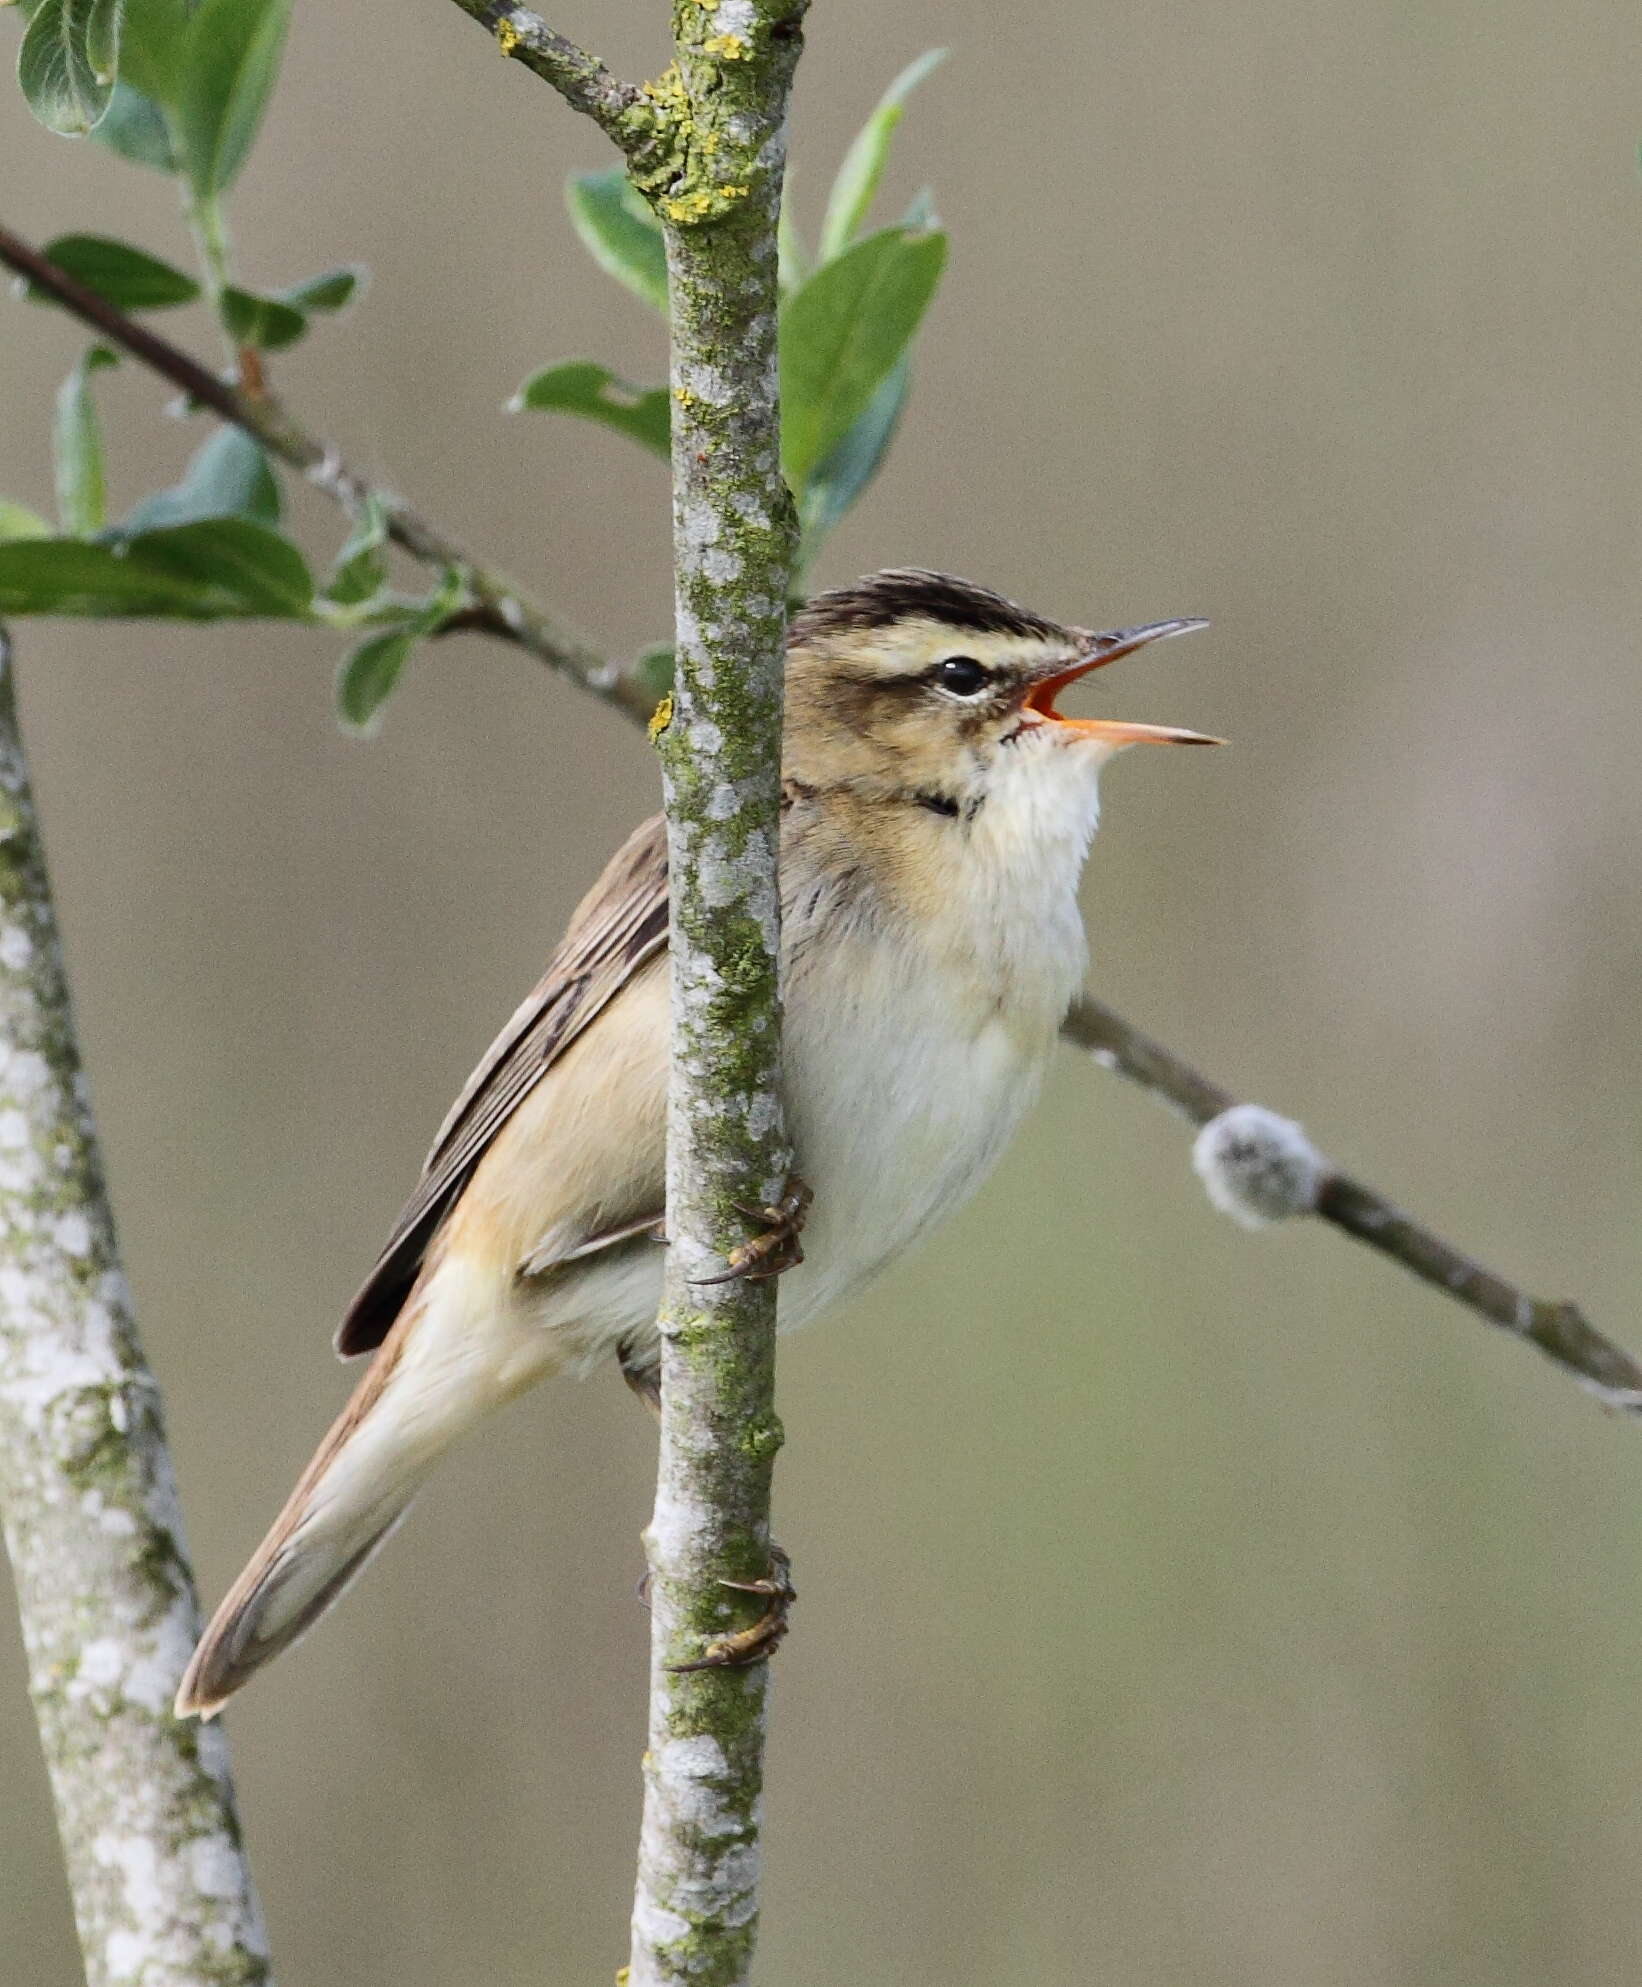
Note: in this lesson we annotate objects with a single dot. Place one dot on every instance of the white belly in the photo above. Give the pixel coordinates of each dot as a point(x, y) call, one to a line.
point(894, 1124)
point(907, 1068)
point(898, 1108)
point(899, 1103)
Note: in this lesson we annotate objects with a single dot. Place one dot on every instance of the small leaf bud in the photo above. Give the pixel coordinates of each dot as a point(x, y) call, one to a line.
point(1258, 1167)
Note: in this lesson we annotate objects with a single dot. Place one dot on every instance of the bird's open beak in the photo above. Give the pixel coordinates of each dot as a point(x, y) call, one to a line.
point(1102, 649)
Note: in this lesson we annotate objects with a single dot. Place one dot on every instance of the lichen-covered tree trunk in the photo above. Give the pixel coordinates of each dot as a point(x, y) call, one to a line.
point(162, 1896)
point(695, 1912)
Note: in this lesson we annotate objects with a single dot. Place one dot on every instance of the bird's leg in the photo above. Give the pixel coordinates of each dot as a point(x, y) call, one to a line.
point(775, 1248)
point(759, 1642)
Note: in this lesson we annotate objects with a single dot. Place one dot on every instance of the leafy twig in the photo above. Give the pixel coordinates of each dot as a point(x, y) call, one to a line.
point(499, 607)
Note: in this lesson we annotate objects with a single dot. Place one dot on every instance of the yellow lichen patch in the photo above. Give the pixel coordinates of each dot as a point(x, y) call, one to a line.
point(702, 206)
point(661, 717)
point(667, 91)
point(507, 37)
point(730, 46)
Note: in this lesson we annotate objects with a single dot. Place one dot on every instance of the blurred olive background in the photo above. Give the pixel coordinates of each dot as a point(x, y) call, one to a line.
point(1180, 1609)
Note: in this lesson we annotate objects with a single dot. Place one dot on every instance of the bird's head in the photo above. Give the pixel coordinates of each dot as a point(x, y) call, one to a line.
point(917, 686)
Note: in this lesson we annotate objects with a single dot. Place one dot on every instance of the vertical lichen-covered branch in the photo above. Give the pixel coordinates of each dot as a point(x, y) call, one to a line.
point(715, 178)
point(162, 1895)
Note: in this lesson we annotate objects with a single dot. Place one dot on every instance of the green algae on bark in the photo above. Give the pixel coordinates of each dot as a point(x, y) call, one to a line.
point(712, 167)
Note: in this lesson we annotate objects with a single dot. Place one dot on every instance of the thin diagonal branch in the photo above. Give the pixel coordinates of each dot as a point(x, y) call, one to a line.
point(499, 607)
point(1557, 1328)
point(503, 610)
point(581, 79)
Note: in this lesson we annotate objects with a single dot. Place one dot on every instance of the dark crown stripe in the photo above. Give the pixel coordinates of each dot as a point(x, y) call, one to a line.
point(907, 594)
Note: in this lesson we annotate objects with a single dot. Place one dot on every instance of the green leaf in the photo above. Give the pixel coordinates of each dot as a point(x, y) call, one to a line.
point(229, 59)
point(368, 675)
point(17, 521)
point(134, 126)
point(77, 448)
point(72, 576)
point(221, 569)
point(268, 323)
point(65, 62)
point(370, 671)
point(841, 334)
point(361, 569)
point(102, 19)
point(333, 289)
point(151, 46)
point(129, 278)
point(250, 569)
point(592, 391)
point(620, 232)
point(848, 468)
point(271, 323)
point(863, 167)
point(229, 476)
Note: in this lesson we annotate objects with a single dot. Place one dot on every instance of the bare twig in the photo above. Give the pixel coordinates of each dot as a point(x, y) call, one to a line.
point(1558, 1329)
point(161, 1890)
point(1125, 1051)
point(499, 607)
point(581, 79)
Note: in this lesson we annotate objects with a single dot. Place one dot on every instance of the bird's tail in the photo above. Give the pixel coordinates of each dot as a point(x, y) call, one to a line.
point(417, 1395)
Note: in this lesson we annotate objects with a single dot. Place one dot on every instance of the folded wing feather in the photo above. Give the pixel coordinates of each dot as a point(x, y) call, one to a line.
point(619, 924)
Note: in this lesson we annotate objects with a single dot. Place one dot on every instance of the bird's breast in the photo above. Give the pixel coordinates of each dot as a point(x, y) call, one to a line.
point(905, 1078)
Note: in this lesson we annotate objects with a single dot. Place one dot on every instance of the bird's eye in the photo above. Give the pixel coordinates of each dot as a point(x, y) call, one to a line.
point(962, 675)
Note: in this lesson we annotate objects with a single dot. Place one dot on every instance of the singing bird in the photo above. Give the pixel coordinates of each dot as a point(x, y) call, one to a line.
point(936, 813)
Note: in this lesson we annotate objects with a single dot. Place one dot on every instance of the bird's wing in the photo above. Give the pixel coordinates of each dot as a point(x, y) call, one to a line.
point(619, 924)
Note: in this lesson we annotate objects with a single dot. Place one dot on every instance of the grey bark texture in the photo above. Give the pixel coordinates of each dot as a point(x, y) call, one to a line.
point(162, 1895)
point(718, 190)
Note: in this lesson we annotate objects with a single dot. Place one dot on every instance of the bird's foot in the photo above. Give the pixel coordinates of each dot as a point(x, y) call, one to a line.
point(776, 1247)
point(759, 1642)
